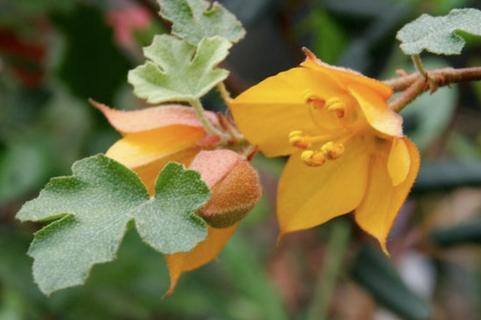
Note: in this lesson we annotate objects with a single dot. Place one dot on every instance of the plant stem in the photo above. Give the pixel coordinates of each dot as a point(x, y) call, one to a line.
point(327, 280)
point(208, 126)
point(441, 77)
point(415, 84)
point(418, 63)
point(224, 93)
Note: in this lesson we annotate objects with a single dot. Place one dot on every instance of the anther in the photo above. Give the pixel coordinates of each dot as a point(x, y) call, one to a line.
point(298, 140)
point(313, 158)
point(337, 106)
point(332, 150)
point(316, 102)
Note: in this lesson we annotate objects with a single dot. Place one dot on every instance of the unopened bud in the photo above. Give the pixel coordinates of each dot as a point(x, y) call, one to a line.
point(234, 185)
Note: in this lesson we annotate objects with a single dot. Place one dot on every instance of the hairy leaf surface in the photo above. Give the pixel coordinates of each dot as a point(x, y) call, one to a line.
point(177, 71)
point(90, 210)
point(193, 20)
point(439, 35)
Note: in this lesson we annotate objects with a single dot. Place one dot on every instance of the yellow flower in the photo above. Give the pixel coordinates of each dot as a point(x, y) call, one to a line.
point(151, 138)
point(347, 150)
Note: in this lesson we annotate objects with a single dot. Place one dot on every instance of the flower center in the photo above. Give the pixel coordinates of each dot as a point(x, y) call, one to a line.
point(318, 149)
point(338, 117)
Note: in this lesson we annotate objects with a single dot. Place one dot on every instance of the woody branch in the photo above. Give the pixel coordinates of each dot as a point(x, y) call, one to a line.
point(414, 84)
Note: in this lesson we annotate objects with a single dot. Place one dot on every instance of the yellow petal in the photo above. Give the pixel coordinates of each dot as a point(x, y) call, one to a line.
point(202, 254)
point(399, 161)
point(136, 150)
point(270, 110)
point(382, 202)
point(135, 121)
point(346, 77)
point(309, 196)
point(376, 111)
point(147, 152)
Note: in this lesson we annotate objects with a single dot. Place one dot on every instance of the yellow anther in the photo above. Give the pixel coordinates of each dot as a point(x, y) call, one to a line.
point(313, 158)
point(337, 106)
point(316, 102)
point(332, 150)
point(298, 140)
point(295, 133)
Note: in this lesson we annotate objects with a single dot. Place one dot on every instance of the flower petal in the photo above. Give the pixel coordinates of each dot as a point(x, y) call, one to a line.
point(376, 111)
point(346, 77)
point(202, 254)
point(309, 196)
point(382, 202)
point(270, 110)
point(399, 161)
point(136, 121)
point(147, 152)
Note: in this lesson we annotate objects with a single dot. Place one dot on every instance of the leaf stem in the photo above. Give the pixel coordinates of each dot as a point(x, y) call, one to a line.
point(224, 93)
point(418, 63)
point(208, 126)
point(326, 282)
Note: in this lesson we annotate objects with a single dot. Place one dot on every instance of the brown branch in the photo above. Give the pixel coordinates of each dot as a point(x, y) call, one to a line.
point(411, 93)
point(441, 77)
point(414, 84)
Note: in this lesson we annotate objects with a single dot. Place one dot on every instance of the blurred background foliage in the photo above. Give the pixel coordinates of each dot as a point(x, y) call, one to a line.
point(54, 55)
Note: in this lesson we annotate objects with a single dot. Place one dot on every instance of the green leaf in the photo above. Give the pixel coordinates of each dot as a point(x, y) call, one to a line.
point(91, 210)
point(439, 35)
point(193, 20)
point(177, 71)
point(378, 276)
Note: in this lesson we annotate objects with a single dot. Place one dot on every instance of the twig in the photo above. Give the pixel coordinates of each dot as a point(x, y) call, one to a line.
point(410, 94)
point(417, 83)
point(326, 283)
point(441, 77)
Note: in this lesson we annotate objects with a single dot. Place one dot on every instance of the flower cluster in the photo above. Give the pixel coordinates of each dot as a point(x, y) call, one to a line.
point(155, 136)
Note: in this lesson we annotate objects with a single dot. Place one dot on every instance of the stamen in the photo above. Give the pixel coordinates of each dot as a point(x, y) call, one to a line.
point(316, 102)
point(298, 140)
point(313, 158)
point(332, 150)
point(303, 141)
point(336, 105)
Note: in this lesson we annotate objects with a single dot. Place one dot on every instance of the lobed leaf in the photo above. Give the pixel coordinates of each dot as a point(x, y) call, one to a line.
point(177, 71)
point(92, 208)
point(193, 20)
point(439, 35)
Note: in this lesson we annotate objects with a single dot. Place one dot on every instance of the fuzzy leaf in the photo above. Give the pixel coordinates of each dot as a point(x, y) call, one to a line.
point(176, 71)
point(193, 20)
point(90, 212)
point(439, 35)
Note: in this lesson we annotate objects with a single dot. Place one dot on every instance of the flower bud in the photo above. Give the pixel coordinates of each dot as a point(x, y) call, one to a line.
point(234, 185)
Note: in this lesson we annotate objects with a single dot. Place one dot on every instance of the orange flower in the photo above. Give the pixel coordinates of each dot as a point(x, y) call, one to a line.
point(151, 138)
point(348, 152)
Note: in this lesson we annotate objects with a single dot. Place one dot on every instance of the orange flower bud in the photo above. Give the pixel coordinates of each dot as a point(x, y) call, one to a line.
point(234, 184)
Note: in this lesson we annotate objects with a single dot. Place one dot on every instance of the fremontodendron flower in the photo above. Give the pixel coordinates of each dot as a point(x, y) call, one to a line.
point(347, 149)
